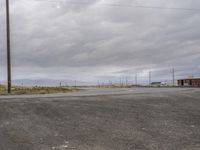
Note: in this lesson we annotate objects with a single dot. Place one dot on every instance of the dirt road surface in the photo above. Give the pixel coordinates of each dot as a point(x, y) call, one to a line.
point(102, 119)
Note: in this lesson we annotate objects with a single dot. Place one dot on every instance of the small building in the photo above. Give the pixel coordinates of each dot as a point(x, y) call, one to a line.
point(156, 84)
point(193, 82)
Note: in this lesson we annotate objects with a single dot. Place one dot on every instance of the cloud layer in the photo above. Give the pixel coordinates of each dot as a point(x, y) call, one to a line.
point(98, 41)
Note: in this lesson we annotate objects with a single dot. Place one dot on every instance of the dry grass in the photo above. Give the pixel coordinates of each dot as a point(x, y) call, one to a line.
point(16, 90)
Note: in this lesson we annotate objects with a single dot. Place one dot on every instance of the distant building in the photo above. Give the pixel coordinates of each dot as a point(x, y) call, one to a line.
point(156, 84)
point(171, 83)
point(164, 84)
point(193, 82)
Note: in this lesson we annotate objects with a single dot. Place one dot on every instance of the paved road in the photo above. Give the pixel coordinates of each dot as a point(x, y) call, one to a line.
point(102, 119)
point(105, 91)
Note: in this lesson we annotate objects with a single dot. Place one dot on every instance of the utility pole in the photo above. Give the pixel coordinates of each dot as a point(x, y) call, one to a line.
point(126, 81)
point(173, 76)
point(98, 84)
point(121, 82)
point(111, 83)
point(136, 79)
point(75, 83)
point(8, 46)
point(150, 78)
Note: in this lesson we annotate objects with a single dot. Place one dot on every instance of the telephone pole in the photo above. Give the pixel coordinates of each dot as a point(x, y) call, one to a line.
point(98, 84)
point(173, 76)
point(126, 78)
point(150, 78)
point(75, 84)
point(8, 46)
point(136, 79)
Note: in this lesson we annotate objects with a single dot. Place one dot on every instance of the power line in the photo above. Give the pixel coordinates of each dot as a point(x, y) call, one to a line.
point(123, 5)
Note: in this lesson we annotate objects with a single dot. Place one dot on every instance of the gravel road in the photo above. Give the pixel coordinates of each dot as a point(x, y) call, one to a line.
point(102, 119)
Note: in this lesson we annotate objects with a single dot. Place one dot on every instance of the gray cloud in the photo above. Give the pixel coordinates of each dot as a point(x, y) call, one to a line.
point(88, 42)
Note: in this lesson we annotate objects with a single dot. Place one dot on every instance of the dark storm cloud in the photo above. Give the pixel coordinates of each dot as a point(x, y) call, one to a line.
point(87, 42)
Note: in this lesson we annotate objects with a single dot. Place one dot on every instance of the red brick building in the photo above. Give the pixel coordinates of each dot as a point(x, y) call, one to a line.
point(195, 82)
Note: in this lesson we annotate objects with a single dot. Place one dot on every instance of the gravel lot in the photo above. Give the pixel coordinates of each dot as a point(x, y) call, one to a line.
point(102, 119)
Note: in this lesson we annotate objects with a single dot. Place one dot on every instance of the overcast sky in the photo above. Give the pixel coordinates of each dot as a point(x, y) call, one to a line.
point(101, 39)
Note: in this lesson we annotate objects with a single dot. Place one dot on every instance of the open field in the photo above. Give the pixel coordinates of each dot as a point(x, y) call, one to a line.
point(17, 90)
point(102, 119)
